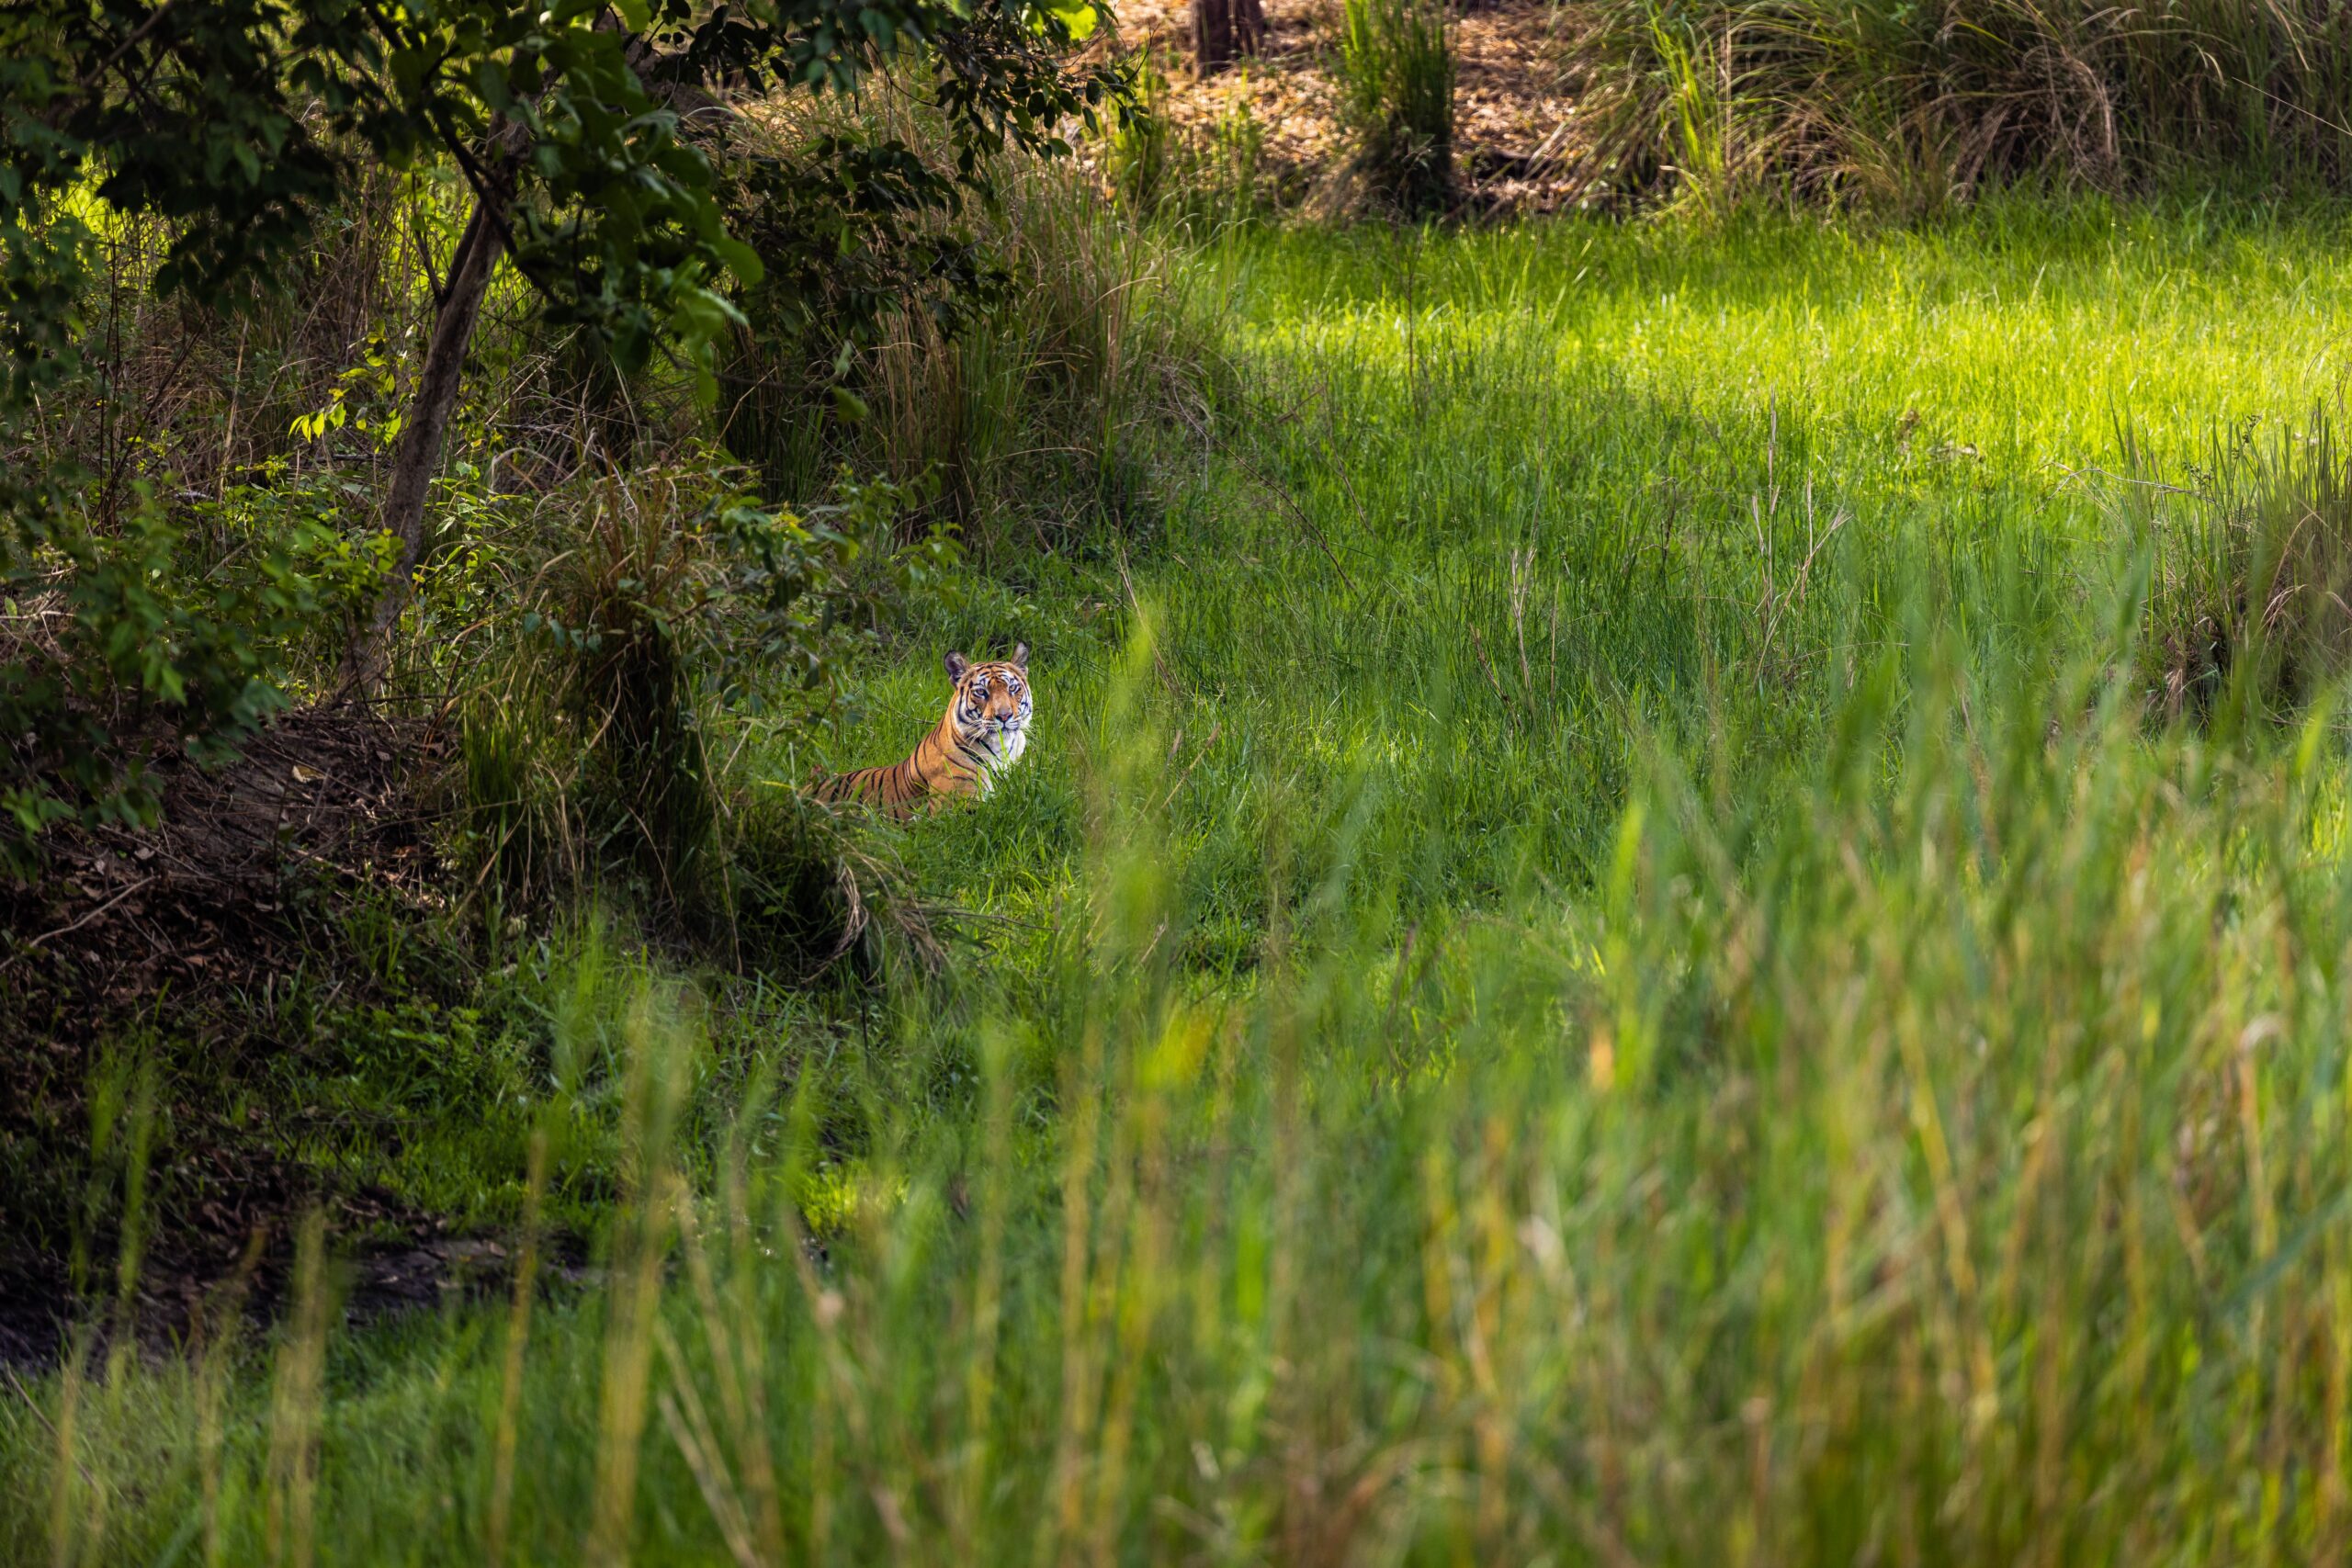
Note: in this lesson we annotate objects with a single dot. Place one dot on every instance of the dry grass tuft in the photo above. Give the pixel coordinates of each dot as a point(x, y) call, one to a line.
point(1917, 104)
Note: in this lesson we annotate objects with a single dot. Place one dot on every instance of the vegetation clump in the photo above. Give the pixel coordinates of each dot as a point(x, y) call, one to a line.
point(2250, 561)
point(1915, 106)
point(1396, 73)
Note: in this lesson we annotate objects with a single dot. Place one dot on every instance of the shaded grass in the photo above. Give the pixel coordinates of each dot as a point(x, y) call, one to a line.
point(1395, 71)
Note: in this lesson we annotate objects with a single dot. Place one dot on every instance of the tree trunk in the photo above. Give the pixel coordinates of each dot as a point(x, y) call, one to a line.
point(1249, 25)
point(1223, 30)
point(427, 426)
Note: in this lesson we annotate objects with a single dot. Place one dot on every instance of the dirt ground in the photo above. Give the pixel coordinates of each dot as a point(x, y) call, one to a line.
point(1514, 116)
point(196, 926)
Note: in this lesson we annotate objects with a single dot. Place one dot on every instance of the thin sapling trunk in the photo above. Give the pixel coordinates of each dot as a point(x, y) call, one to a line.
point(418, 456)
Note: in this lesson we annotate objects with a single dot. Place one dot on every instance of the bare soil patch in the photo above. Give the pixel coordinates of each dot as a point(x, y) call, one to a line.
point(322, 806)
point(191, 936)
point(1514, 114)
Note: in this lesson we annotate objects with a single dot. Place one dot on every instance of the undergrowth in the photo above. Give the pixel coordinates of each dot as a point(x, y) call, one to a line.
point(626, 603)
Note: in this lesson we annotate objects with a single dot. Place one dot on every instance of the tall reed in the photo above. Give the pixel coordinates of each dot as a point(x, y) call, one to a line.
point(1396, 74)
point(1917, 104)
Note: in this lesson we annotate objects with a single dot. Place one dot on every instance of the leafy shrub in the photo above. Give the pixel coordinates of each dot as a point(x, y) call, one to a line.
point(1396, 73)
point(118, 652)
point(665, 599)
point(339, 568)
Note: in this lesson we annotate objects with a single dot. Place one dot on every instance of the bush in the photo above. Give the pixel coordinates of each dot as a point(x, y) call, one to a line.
point(663, 603)
point(1397, 93)
point(1917, 102)
point(118, 651)
point(1002, 352)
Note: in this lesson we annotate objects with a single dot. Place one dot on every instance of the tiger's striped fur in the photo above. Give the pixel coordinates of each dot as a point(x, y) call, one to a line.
point(983, 732)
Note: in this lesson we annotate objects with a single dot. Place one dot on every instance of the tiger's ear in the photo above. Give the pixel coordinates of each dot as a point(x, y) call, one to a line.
point(1020, 657)
point(956, 665)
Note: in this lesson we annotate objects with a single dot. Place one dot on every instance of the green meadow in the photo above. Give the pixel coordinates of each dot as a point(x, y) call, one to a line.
point(1678, 896)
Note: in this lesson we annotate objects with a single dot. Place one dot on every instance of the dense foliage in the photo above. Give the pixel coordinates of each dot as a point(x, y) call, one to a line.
point(244, 125)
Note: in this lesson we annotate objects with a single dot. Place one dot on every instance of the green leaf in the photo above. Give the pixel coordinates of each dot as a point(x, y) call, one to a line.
point(738, 258)
point(1080, 18)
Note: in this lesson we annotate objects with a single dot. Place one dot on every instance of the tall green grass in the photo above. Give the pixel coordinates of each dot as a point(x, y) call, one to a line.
point(1180, 175)
point(1598, 956)
point(1396, 77)
point(2248, 565)
point(1034, 337)
point(1915, 106)
point(1038, 418)
point(1936, 1174)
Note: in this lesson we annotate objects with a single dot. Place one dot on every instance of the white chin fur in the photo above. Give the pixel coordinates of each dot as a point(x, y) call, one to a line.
point(1004, 748)
point(1001, 748)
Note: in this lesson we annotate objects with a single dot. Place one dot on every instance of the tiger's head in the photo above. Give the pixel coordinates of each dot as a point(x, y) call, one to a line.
point(992, 703)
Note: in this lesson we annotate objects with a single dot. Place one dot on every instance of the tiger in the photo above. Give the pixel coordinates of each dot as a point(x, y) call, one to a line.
point(983, 732)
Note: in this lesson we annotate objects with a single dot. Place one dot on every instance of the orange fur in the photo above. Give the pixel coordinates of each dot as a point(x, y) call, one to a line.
point(983, 732)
